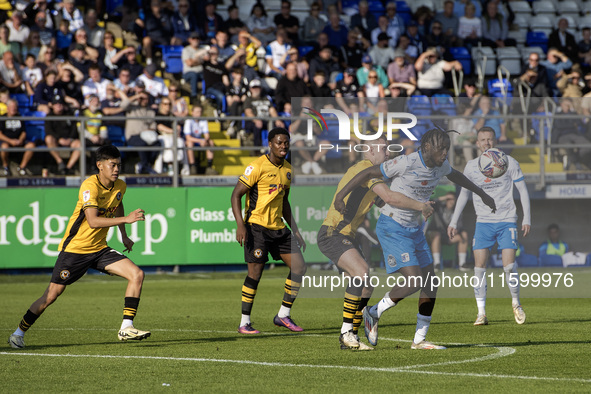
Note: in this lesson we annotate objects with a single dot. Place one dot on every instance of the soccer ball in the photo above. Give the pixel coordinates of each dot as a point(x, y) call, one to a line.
point(493, 163)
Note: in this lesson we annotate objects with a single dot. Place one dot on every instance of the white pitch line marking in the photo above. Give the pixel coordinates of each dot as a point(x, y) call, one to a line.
point(275, 364)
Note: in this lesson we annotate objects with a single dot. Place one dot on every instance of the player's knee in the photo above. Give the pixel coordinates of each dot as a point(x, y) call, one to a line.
point(137, 276)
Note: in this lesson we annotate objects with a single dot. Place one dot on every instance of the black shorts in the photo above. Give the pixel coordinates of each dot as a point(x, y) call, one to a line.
point(70, 267)
point(335, 245)
point(261, 241)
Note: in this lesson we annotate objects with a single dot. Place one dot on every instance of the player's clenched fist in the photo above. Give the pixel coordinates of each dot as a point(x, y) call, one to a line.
point(136, 216)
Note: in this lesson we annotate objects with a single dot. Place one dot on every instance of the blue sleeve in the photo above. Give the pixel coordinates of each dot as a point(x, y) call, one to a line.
point(543, 249)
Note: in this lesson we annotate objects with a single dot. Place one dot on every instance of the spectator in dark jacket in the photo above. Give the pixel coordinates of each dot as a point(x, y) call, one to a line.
point(62, 133)
point(364, 19)
point(560, 35)
point(324, 62)
point(158, 28)
point(183, 23)
point(290, 85)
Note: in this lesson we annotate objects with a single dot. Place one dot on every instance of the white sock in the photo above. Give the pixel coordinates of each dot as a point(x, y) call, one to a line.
point(509, 269)
point(284, 311)
point(245, 320)
point(423, 323)
point(19, 332)
point(126, 323)
point(462, 258)
point(346, 327)
point(436, 259)
point(382, 306)
point(480, 289)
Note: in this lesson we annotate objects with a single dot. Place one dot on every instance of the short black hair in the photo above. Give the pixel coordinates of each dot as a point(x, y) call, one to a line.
point(107, 152)
point(553, 226)
point(277, 131)
point(437, 138)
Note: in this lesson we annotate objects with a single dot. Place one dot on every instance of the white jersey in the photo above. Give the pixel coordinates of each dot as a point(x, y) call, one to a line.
point(415, 180)
point(500, 189)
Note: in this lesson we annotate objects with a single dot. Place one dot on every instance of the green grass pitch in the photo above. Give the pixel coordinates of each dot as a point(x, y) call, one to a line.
point(194, 345)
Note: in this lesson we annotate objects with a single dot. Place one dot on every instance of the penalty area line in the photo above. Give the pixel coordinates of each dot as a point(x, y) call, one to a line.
point(276, 364)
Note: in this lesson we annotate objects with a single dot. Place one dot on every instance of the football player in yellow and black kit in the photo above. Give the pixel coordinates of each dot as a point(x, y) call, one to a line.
point(266, 182)
point(84, 246)
point(336, 238)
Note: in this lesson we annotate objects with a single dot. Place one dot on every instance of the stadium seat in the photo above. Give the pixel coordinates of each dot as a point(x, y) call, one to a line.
point(168, 49)
point(527, 50)
point(568, 7)
point(420, 106)
point(462, 55)
point(404, 11)
point(543, 7)
point(376, 7)
point(537, 39)
point(304, 50)
point(519, 36)
point(543, 23)
point(478, 54)
point(585, 21)
point(550, 261)
point(25, 102)
point(36, 128)
point(510, 58)
point(501, 90)
point(520, 7)
point(350, 7)
point(444, 103)
point(116, 135)
point(527, 260)
point(174, 64)
point(522, 21)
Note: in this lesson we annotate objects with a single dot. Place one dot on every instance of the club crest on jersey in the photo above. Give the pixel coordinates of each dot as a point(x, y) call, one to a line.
point(258, 253)
point(119, 196)
point(425, 183)
point(64, 274)
point(347, 242)
point(288, 176)
point(391, 261)
point(405, 257)
point(86, 195)
point(248, 170)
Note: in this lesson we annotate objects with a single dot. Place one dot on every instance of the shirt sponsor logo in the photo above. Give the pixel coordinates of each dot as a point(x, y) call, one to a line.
point(86, 195)
point(248, 170)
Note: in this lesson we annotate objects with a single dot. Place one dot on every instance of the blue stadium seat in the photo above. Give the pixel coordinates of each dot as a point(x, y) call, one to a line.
point(169, 49)
point(527, 260)
point(537, 39)
point(304, 50)
point(174, 64)
point(495, 90)
point(35, 128)
point(116, 135)
point(444, 103)
point(420, 106)
point(404, 11)
point(376, 7)
point(463, 56)
point(25, 102)
point(550, 261)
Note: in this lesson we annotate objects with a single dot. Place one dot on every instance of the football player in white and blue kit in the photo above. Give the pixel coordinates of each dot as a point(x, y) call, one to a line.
point(499, 227)
point(400, 230)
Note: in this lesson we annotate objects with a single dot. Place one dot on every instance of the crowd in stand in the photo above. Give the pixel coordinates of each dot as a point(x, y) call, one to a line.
point(58, 55)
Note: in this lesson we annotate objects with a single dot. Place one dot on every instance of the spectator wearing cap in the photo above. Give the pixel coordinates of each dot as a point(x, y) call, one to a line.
point(46, 34)
point(158, 27)
point(416, 39)
point(470, 27)
point(381, 53)
point(215, 76)
point(211, 21)
point(290, 85)
point(324, 62)
point(366, 66)
point(402, 76)
point(449, 21)
point(130, 61)
point(62, 133)
point(364, 20)
point(10, 73)
point(259, 107)
point(14, 135)
point(184, 22)
point(275, 52)
point(234, 25)
point(140, 129)
point(155, 86)
point(495, 28)
point(430, 70)
point(318, 85)
point(395, 21)
point(81, 42)
point(290, 23)
point(95, 84)
point(94, 32)
point(192, 58)
point(384, 27)
point(70, 13)
point(564, 41)
point(336, 31)
point(19, 32)
point(260, 25)
point(353, 51)
point(313, 25)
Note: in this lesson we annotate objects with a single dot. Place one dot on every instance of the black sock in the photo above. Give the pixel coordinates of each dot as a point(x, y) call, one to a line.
point(359, 315)
point(28, 320)
point(130, 309)
point(249, 291)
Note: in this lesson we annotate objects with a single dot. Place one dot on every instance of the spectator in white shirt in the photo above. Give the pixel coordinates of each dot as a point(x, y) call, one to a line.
point(95, 84)
point(154, 85)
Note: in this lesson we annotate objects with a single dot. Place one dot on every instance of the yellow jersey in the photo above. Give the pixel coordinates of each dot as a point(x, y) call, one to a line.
point(358, 203)
point(266, 183)
point(79, 237)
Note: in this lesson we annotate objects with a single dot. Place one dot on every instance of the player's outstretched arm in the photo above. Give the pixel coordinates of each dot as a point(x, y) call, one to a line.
point(363, 176)
point(236, 200)
point(460, 179)
point(460, 204)
point(525, 204)
point(399, 200)
point(287, 215)
point(96, 221)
